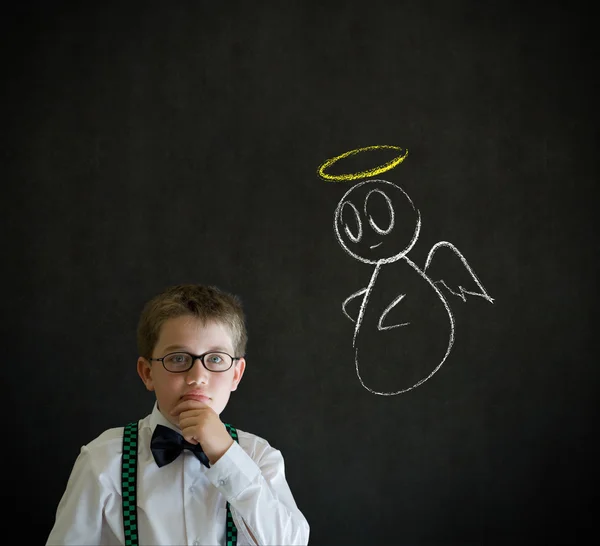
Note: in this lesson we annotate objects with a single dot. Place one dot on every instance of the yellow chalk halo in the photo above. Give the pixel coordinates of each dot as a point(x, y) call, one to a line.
point(362, 174)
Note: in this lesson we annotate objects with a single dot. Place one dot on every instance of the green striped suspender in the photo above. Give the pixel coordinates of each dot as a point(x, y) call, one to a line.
point(129, 482)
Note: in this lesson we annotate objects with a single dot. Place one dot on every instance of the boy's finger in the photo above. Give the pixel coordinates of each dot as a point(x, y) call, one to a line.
point(187, 405)
point(189, 438)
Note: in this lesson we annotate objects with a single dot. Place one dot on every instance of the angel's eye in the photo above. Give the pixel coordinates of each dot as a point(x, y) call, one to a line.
point(379, 208)
point(350, 219)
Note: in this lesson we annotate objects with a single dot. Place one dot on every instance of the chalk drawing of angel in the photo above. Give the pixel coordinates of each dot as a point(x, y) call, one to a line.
point(404, 326)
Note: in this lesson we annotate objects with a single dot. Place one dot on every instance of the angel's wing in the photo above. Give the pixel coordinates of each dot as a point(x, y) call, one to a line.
point(451, 270)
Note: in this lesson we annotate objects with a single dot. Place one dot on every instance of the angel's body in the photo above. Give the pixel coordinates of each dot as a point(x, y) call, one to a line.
point(404, 328)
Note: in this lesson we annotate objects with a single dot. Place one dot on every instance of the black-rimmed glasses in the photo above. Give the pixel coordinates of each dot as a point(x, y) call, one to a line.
point(213, 361)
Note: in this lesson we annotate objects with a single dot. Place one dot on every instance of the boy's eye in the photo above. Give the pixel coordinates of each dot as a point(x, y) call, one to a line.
point(178, 359)
point(214, 359)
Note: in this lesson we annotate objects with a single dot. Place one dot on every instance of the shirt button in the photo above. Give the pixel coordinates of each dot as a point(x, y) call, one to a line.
point(222, 482)
point(196, 543)
point(191, 489)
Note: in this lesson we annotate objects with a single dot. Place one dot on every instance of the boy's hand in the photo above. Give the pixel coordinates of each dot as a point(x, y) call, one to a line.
point(199, 423)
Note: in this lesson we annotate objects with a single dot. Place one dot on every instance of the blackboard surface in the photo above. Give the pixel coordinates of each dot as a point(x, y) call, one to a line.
point(149, 144)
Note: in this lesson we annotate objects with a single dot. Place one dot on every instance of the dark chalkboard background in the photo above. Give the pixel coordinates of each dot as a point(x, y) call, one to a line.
point(147, 144)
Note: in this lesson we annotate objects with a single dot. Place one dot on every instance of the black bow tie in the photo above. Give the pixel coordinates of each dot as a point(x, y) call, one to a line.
point(167, 444)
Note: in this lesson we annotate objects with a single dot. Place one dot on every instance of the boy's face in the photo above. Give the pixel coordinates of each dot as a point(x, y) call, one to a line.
point(190, 334)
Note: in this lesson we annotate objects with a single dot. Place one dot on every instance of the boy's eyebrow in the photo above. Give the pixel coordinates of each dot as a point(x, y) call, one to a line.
point(175, 348)
point(215, 348)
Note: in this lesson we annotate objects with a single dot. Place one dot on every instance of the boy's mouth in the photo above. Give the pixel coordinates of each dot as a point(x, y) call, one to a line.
point(196, 395)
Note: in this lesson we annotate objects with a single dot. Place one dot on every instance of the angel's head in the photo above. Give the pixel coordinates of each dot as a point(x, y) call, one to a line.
point(376, 222)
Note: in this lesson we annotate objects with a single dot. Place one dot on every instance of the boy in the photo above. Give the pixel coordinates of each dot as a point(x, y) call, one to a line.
point(224, 486)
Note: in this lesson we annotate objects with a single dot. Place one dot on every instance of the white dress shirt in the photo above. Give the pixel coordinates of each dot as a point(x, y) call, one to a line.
point(183, 502)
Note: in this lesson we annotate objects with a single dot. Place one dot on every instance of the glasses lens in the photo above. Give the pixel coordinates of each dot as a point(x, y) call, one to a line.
point(217, 362)
point(178, 362)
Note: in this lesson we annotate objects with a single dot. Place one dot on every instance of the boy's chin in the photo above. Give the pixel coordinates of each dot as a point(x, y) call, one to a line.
point(173, 419)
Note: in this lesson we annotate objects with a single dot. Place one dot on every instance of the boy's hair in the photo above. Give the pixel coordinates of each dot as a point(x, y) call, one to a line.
point(204, 302)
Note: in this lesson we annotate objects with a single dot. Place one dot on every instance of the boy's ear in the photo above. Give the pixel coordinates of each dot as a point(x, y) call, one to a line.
point(238, 371)
point(144, 369)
